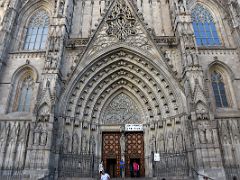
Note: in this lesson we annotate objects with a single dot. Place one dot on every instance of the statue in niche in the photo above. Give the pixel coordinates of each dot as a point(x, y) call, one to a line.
point(84, 143)
point(170, 142)
point(75, 143)
point(37, 135)
point(48, 63)
point(161, 142)
point(122, 143)
point(225, 139)
point(203, 137)
point(36, 138)
point(236, 139)
point(66, 141)
point(43, 138)
point(179, 142)
point(209, 136)
point(92, 145)
point(54, 61)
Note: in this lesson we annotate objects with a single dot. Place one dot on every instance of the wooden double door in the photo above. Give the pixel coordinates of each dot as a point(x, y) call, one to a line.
point(134, 151)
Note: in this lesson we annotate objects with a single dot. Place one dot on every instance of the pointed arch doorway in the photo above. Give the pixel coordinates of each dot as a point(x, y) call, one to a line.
point(120, 110)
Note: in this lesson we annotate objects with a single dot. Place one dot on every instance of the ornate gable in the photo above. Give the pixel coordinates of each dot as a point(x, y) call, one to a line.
point(121, 26)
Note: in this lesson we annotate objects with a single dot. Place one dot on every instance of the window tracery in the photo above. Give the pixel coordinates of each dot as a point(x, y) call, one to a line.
point(204, 27)
point(37, 31)
point(219, 90)
point(25, 89)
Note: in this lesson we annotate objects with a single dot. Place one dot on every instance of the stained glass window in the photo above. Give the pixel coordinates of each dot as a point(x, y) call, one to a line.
point(219, 90)
point(25, 94)
point(37, 31)
point(204, 27)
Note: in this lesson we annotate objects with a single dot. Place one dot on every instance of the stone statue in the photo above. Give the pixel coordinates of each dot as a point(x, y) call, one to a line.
point(203, 138)
point(36, 138)
point(122, 143)
point(43, 138)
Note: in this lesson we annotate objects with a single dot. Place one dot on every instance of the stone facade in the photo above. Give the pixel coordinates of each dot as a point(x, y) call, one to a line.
point(107, 63)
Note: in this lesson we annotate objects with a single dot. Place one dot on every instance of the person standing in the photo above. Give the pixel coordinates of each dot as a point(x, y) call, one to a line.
point(104, 176)
point(135, 168)
point(122, 168)
point(100, 167)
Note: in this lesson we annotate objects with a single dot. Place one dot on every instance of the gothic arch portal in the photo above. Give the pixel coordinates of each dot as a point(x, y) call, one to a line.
point(91, 104)
point(157, 89)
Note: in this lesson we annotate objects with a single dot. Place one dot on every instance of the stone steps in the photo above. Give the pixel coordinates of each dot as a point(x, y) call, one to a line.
point(137, 178)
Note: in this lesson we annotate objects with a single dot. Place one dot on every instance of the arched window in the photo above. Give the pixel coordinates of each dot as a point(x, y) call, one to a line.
point(204, 27)
point(219, 89)
point(37, 31)
point(24, 93)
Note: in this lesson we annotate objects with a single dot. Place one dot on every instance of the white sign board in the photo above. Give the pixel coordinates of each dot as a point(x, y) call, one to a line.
point(133, 127)
point(156, 157)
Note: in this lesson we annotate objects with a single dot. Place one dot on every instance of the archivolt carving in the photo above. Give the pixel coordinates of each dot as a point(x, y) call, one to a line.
point(121, 109)
point(104, 88)
point(121, 69)
point(138, 70)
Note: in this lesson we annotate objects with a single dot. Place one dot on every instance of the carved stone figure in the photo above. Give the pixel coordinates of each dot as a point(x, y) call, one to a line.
point(202, 136)
point(36, 138)
point(61, 7)
point(43, 138)
point(75, 143)
point(122, 143)
point(170, 144)
point(66, 142)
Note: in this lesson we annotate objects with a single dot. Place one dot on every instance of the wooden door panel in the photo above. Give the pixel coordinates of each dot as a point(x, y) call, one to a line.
point(134, 151)
point(111, 153)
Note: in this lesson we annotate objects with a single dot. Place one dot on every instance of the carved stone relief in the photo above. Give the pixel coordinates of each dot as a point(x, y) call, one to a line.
point(122, 110)
point(120, 26)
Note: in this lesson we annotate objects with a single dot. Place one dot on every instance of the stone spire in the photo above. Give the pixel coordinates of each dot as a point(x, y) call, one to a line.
point(234, 11)
point(192, 71)
point(10, 13)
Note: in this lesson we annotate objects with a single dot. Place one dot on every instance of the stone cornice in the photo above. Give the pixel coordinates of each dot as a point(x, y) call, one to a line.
point(27, 54)
point(217, 50)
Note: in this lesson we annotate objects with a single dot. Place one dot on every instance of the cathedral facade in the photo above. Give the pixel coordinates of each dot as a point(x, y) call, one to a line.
point(155, 82)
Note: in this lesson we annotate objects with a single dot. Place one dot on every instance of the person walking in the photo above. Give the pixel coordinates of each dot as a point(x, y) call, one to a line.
point(104, 176)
